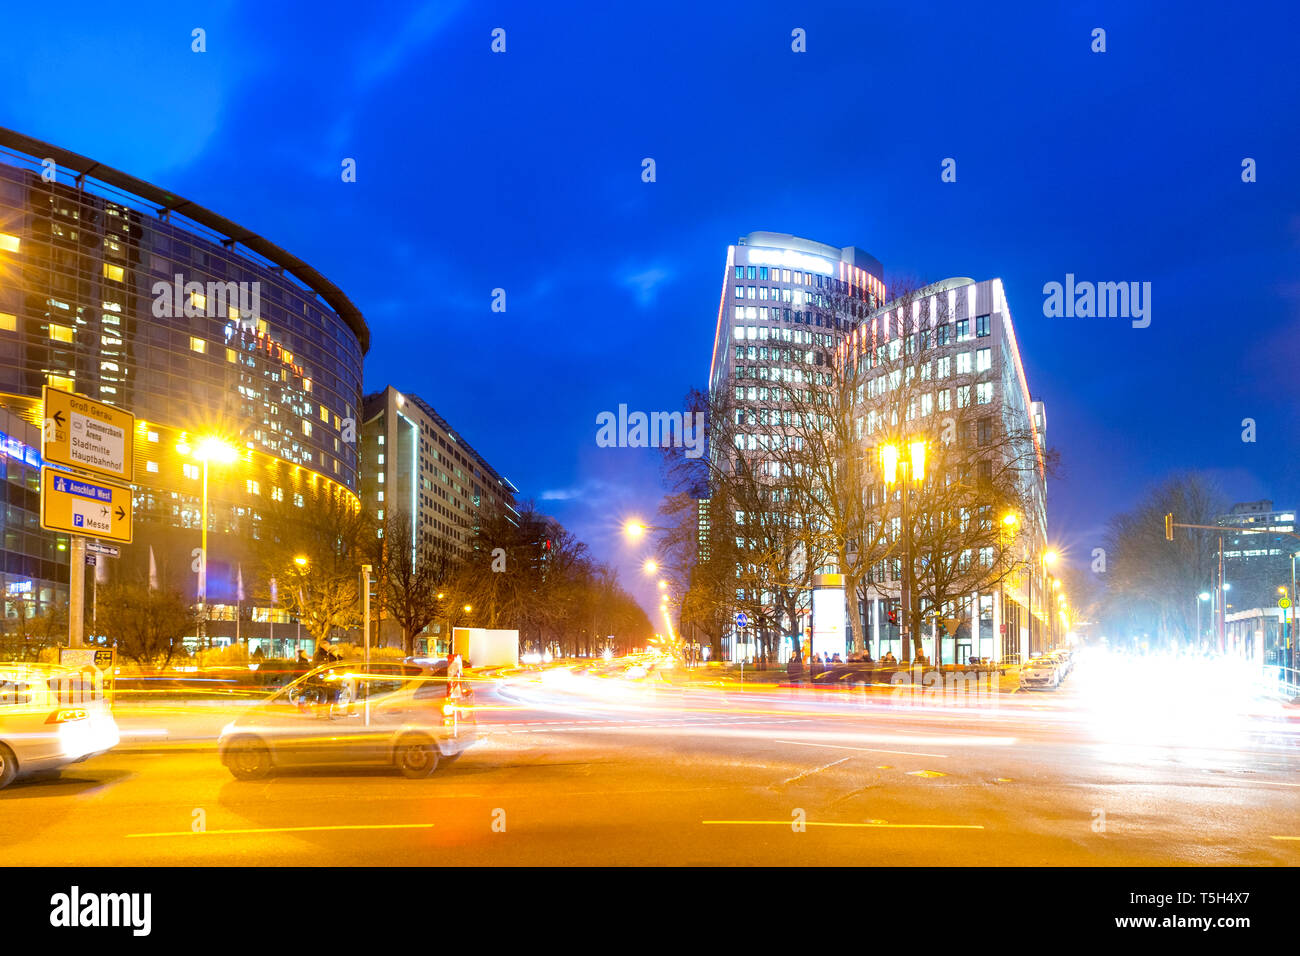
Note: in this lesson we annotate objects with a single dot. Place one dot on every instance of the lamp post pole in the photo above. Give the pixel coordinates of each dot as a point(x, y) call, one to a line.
point(203, 559)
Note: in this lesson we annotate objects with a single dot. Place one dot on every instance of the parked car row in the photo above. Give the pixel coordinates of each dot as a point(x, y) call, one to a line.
point(1046, 672)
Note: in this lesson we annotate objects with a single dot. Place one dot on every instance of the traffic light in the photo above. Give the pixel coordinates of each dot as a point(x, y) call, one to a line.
point(1169, 526)
point(941, 627)
point(893, 618)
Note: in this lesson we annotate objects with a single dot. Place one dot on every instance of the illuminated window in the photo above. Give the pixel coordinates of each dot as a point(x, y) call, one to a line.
point(152, 436)
point(8, 243)
point(60, 333)
point(231, 355)
point(62, 382)
point(381, 496)
point(198, 345)
point(151, 466)
point(261, 326)
point(116, 273)
point(324, 414)
point(306, 385)
point(8, 321)
point(277, 493)
point(306, 427)
point(253, 487)
point(190, 470)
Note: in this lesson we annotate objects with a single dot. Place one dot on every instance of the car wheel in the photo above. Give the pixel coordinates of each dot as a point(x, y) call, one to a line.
point(248, 760)
point(416, 757)
point(8, 766)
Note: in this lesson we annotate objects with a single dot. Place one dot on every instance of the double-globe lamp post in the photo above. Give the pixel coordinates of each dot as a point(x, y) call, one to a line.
point(906, 472)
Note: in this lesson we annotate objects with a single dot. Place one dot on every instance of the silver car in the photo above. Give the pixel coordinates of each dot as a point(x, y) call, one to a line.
point(51, 716)
point(398, 714)
point(1040, 672)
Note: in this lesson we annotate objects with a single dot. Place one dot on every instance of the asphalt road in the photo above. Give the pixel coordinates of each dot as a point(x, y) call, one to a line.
point(592, 768)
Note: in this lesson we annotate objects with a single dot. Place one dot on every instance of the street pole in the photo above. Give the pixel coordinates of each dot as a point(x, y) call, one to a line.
point(1029, 647)
point(1222, 615)
point(1291, 632)
point(907, 567)
point(203, 558)
point(77, 592)
point(365, 609)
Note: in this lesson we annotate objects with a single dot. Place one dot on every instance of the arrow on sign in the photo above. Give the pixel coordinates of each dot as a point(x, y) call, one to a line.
point(121, 514)
point(58, 418)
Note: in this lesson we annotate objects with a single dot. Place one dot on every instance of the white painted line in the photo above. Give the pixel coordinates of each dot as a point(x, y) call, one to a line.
point(870, 750)
point(359, 826)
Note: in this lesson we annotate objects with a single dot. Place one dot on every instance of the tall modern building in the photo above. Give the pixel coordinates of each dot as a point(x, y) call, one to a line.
point(787, 303)
point(954, 351)
point(120, 290)
point(414, 462)
point(1257, 563)
point(778, 321)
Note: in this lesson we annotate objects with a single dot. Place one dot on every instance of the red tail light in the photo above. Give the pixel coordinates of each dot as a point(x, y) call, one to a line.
point(63, 716)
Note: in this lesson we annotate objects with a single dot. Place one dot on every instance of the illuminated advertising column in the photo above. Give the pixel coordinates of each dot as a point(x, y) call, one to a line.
point(828, 615)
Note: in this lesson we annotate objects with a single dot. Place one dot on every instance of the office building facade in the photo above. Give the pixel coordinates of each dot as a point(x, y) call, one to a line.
point(116, 289)
point(951, 348)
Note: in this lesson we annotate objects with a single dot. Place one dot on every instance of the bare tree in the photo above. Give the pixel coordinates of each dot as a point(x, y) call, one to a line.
point(316, 555)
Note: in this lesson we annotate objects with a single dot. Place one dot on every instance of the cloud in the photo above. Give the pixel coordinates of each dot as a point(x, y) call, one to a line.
point(645, 284)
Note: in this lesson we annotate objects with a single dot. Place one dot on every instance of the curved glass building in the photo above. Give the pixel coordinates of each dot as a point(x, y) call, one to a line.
point(121, 291)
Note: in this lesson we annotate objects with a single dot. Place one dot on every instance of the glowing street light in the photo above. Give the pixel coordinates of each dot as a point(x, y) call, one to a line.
point(210, 449)
point(301, 560)
point(651, 566)
point(634, 529)
point(913, 467)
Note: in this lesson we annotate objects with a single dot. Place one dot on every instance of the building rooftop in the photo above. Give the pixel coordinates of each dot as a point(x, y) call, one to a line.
point(226, 232)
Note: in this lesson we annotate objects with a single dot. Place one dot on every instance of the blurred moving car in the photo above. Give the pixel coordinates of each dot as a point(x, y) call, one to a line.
point(51, 716)
point(344, 714)
point(1040, 672)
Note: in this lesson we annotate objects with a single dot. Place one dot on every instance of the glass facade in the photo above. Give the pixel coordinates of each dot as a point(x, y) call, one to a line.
point(124, 299)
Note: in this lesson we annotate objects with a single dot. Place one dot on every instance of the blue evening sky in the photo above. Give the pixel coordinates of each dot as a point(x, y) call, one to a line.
point(522, 171)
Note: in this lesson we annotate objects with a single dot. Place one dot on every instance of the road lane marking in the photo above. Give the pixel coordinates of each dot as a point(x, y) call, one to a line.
point(1286, 838)
point(813, 823)
point(870, 750)
point(808, 773)
point(357, 826)
point(925, 773)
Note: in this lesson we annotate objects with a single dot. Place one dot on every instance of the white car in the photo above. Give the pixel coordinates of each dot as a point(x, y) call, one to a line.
point(51, 716)
point(1063, 661)
point(1040, 672)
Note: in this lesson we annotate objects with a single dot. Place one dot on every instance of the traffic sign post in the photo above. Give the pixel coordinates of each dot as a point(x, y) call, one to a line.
point(97, 439)
point(83, 433)
point(85, 506)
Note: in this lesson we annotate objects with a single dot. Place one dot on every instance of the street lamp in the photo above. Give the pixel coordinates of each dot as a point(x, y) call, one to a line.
point(210, 449)
point(1203, 596)
point(634, 529)
point(914, 467)
point(651, 566)
point(1049, 558)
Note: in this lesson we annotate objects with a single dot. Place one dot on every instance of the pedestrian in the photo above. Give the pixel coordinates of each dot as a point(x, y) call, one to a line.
point(455, 673)
point(794, 669)
point(815, 668)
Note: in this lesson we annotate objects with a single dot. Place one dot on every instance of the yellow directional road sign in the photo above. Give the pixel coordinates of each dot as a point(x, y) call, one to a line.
point(83, 433)
point(87, 506)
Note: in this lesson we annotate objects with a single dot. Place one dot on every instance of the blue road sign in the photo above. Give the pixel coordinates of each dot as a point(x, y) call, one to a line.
point(741, 620)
